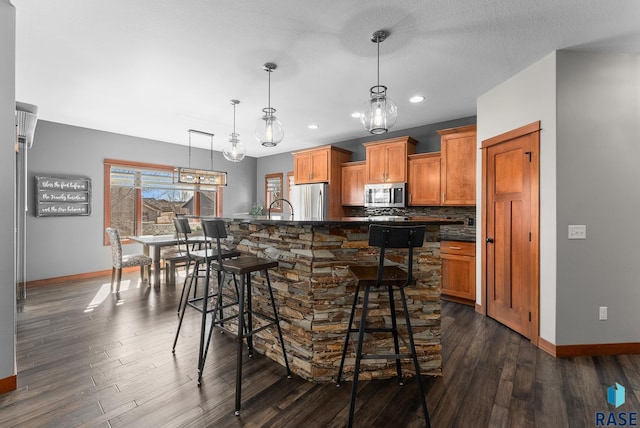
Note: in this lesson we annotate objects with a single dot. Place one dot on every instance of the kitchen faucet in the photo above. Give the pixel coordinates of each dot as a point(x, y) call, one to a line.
point(283, 200)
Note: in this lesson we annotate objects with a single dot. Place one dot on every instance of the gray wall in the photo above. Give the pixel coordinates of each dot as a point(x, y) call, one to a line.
point(598, 152)
point(59, 246)
point(272, 165)
point(7, 184)
point(426, 135)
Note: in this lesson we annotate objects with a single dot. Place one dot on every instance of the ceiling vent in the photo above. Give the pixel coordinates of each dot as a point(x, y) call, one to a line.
point(26, 118)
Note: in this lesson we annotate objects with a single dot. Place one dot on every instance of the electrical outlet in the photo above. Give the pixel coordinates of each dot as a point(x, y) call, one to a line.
point(577, 231)
point(603, 313)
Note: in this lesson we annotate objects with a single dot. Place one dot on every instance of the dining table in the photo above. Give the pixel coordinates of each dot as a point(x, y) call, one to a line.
point(152, 244)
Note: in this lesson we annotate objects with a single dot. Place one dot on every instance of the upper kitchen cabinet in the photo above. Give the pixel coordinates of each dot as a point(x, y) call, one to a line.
point(387, 160)
point(322, 165)
point(311, 166)
point(458, 165)
point(424, 179)
point(353, 184)
point(318, 164)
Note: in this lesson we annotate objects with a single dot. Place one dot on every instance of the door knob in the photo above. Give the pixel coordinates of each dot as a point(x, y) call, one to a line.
point(489, 240)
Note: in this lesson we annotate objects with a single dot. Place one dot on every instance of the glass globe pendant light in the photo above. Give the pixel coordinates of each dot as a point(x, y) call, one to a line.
point(234, 150)
point(380, 112)
point(269, 129)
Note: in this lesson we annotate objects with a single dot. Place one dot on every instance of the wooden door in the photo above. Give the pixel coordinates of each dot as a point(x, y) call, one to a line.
point(353, 184)
point(302, 168)
point(459, 166)
point(320, 166)
point(424, 179)
point(511, 229)
point(376, 167)
point(396, 163)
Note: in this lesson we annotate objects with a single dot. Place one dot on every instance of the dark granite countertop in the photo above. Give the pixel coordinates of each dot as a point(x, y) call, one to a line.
point(349, 220)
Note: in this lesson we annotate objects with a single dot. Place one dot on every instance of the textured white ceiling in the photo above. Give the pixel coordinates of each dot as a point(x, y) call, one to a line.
point(155, 68)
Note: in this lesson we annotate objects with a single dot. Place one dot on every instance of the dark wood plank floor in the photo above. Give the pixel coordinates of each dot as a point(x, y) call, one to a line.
point(89, 358)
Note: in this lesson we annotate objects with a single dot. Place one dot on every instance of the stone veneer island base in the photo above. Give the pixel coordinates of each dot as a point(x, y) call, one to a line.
point(314, 292)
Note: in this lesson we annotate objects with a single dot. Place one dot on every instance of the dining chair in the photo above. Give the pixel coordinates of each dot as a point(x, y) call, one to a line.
point(119, 261)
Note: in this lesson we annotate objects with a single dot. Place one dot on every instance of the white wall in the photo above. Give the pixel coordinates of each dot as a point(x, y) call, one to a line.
point(7, 185)
point(527, 97)
point(598, 185)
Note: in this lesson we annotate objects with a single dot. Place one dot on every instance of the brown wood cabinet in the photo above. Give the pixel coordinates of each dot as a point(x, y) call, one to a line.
point(458, 165)
point(458, 271)
point(322, 165)
point(424, 179)
point(311, 166)
point(387, 160)
point(353, 179)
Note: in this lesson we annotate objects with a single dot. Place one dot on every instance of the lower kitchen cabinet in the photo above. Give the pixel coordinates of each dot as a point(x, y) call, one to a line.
point(458, 271)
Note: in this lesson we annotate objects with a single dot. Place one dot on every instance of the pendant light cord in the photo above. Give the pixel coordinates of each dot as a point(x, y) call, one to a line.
point(269, 90)
point(378, 44)
point(189, 148)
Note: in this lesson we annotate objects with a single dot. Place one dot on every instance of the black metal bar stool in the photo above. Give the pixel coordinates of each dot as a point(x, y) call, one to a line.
point(200, 263)
point(243, 266)
point(391, 277)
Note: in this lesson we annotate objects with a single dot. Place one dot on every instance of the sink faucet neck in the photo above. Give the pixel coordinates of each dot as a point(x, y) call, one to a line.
point(277, 200)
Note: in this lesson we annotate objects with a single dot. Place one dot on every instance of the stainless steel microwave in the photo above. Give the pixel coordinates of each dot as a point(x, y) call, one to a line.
point(385, 195)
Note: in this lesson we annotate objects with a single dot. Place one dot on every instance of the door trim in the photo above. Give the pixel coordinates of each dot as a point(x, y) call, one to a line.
point(534, 272)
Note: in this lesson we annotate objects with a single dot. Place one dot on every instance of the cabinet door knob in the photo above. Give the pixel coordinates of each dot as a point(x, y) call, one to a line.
point(489, 240)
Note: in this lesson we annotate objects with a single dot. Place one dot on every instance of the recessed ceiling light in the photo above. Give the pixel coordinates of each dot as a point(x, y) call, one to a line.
point(313, 126)
point(416, 99)
point(356, 115)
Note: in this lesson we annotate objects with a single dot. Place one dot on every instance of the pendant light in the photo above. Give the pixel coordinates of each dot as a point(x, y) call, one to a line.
point(234, 150)
point(380, 113)
point(269, 129)
point(197, 176)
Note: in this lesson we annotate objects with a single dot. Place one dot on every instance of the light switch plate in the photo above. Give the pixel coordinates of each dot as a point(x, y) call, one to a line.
point(577, 231)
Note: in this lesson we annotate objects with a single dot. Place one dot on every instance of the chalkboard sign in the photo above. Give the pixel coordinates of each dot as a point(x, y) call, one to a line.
point(62, 196)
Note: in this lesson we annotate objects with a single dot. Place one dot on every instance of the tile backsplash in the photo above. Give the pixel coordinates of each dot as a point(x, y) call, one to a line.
point(465, 232)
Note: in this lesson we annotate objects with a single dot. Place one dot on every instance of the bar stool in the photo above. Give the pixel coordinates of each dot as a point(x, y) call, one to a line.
point(183, 230)
point(243, 266)
point(391, 277)
point(200, 263)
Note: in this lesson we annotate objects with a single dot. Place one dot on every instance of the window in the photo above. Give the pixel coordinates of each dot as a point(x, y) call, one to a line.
point(273, 191)
point(142, 199)
point(290, 184)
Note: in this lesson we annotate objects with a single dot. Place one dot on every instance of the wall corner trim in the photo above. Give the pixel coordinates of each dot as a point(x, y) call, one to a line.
point(547, 346)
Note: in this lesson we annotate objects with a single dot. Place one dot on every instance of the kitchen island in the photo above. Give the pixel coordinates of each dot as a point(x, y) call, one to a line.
point(314, 291)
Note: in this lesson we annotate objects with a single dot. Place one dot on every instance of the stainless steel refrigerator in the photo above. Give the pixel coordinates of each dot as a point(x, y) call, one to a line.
point(310, 201)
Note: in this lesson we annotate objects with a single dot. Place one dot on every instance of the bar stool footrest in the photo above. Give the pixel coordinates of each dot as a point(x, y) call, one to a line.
point(271, 320)
point(372, 330)
point(386, 357)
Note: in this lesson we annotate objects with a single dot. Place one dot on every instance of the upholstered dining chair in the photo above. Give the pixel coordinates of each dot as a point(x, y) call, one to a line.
point(119, 261)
